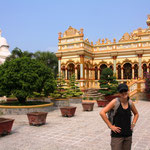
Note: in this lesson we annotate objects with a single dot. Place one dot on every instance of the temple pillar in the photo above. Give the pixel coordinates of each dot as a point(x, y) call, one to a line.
point(98, 74)
point(59, 65)
point(66, 73)
point(140, 65)
point(133, 72)
point(114, 63)
point(76, 72)
point(82, 67)
point(121, 72)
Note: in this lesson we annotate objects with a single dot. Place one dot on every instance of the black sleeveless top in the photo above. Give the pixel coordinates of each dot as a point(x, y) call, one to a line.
point(122, 119)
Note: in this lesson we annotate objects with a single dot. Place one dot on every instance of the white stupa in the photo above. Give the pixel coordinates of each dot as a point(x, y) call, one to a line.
point(4, 49)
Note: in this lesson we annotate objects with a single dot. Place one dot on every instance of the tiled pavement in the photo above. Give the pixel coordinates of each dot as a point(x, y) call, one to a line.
point(84, 131)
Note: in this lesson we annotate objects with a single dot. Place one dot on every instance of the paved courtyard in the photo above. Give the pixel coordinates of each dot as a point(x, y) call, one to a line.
point(84, 131)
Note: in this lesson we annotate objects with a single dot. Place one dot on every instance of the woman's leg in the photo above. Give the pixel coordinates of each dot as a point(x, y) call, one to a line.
point(116, 143)
point(127, 143)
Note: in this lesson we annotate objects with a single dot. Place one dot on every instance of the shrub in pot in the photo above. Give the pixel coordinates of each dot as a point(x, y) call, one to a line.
point(61, 94)
point(108, 84)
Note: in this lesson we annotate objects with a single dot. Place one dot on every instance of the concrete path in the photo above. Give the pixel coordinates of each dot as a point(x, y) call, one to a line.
point(84, 131)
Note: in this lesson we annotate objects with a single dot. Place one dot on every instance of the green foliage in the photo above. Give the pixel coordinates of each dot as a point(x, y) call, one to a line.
point(23, 76)
point(49, 59)
point(91, 98)
point(84, 98)
point(108, 83)
point(61, 90)
point(74, 89)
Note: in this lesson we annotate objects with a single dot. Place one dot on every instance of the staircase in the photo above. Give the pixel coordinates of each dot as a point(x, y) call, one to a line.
point(92, 93)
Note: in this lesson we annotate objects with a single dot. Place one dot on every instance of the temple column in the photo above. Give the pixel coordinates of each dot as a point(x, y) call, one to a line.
point(140, 65)
point(85, 71)
point(66, 73)
point(133, 72)
point(98, 74)
point(114, 63)
point(81, 67)
point(76, 72)
point(121, 72)
point(59, 65)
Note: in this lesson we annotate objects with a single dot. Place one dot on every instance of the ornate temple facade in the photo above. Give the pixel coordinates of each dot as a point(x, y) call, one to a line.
point(129, 58)
point(4, 49)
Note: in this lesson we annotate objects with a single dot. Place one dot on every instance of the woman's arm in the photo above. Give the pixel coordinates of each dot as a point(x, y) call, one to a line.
point(136, 115)
point(105, 118)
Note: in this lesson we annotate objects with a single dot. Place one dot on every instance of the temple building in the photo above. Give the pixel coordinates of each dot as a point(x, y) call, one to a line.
point(4, 49)
point(129, 58)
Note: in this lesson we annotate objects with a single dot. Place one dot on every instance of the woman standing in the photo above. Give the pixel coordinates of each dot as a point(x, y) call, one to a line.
point(122, 125)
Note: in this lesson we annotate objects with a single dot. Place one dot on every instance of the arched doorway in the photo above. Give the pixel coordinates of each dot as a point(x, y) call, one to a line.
point(78, 72)
point(70, 70)
point(63, 71)
point(127, 71)
point(144, 70)
point(111, 67)
point(102, 67)
point(119, 71)
point(135, 71)
point(96, 73)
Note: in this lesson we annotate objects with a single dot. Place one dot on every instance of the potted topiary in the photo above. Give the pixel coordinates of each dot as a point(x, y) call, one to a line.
point(74, 90)
point(60, 98)
point(5, 125)
point(108, 85)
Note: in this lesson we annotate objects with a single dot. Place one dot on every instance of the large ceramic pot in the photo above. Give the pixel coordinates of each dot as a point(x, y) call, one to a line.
point(68, 111)
point(87, 106)
point(5, 125)
point(37, 118)
point(102, 103)
point(110, 97)
point(12, 99)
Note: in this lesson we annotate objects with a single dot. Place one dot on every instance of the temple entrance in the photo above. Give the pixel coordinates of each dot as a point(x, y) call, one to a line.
point(127, 71)
point(119, 71)
point(135, 71)
point(70, 70)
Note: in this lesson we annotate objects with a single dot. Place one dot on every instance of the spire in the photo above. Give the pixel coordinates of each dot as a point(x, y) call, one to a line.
point(148, 20)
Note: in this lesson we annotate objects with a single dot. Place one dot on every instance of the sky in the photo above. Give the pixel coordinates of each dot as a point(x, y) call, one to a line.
point(33, 25)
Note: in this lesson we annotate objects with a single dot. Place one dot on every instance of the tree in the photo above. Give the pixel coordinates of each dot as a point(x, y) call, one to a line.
point(74, 89)
point(61, 90)
point(23, 76)
point(108, 83)
point(49, 59)
point(18, 53)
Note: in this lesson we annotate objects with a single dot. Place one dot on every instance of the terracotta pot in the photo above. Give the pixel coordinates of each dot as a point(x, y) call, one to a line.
point(37, 118)
point(111, 97)
point(87, 106)
point(12, 99)
point(5, 125)
point(68, 111)
point(102, 103)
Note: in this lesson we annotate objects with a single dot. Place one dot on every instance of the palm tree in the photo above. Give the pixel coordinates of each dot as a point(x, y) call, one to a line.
point(18, 53)
point(49, 59)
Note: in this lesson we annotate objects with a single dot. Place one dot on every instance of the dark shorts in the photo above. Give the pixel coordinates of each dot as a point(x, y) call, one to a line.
point(121, 143)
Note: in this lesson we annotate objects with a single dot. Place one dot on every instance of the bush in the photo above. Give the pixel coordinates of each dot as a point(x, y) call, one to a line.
point(91, 98)
point(23, 76)
point(108, 83)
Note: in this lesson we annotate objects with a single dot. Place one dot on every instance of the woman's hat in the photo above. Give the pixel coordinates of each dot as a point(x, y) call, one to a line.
point(122, 88)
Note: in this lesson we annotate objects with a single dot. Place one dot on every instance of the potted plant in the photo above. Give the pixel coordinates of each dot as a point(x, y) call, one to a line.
point(133, 99)
point(74, 91)
point(108, 85)
point(147, 85)
point(60, 98)
point(37, 118)
point(87, 106)
point(5, 125)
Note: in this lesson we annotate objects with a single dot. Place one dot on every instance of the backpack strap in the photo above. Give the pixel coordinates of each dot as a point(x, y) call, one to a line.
point(130, 102)
point(117, 104)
